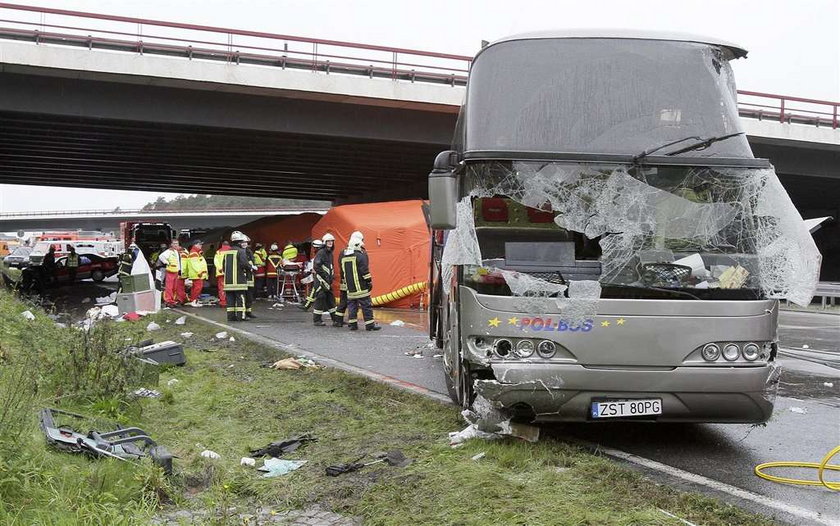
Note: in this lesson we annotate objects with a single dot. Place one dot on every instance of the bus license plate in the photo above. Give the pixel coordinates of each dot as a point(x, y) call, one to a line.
point(621, 408)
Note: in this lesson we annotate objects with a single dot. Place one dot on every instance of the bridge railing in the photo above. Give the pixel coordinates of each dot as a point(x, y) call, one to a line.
point(94, 30)
point(158, 211)
point(138, 35)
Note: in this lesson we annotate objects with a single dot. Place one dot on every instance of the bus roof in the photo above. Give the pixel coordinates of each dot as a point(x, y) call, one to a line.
point(635, 34)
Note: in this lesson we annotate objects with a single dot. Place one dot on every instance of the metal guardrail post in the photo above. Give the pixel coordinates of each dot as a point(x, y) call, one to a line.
point(782, 111)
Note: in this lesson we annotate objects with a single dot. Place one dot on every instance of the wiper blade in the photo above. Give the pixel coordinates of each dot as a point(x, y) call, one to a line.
point(637, 158)
point(704, 143)
point(676, 292)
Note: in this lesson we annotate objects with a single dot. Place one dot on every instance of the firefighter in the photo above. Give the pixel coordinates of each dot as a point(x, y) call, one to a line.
point(250, 292)
point(260, 255)
point(341, 309)
point(174, 292)
point(355, 271)
point(124, 268)
point(218, 266)
point(317, 244)
point(273, 264)
point(322, 268)
point(196, 271)
point(72, 264)
point(236, 270)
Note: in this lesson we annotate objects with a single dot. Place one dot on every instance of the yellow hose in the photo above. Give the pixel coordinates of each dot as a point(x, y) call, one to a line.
point(820, 467)
point(399, 294)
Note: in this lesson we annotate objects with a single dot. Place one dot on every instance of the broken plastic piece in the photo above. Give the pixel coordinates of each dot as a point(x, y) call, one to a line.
point(247, 461)
point(181, 321)
point(221, 335)
point(27, 315)
point(152, 326)
point(210, 454)
point(276, 467)
point(281, 447)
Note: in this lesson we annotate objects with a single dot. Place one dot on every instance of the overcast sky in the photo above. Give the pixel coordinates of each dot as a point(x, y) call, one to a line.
point(794, 45)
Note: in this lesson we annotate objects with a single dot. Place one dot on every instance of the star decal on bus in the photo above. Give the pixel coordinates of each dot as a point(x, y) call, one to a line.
point(494, 322)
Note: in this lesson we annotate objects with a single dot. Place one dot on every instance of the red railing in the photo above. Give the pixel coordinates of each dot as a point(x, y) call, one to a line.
point(192, 41)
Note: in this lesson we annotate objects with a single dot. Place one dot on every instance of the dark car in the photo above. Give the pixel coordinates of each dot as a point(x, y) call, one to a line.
point(91, 266)
point(19, 258)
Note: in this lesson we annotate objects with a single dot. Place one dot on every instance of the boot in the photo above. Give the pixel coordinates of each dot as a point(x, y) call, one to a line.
point(250, 315)
point(337, 321)
point(353, 326)
point(316, 319)
point(373, 327)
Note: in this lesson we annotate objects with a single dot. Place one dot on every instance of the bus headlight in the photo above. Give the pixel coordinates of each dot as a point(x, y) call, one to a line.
point(731, 352)
point(546, 349)
point(710, 352)
point(482, 345)
point(750, 352)
point(503, 348)
point(525, 348)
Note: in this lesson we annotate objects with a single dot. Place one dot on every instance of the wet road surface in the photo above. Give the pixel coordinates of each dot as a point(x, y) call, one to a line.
point(805, 424)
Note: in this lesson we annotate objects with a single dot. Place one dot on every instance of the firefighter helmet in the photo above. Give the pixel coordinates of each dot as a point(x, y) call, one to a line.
point(317, 243)
point(274, 247)
point(328, 237)
point(357, 235)
point(237, 236)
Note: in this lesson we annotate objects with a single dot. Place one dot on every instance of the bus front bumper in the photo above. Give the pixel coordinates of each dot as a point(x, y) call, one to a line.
point(565, 392)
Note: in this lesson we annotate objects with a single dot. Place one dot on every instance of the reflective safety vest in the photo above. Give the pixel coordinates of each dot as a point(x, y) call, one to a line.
point(272, 264)
point(175, 261)
point(218, 263)
point(72, 261)
point(196, 265)
point(234, 265)
point(259, 261)
point(290, 252)
point(355, 272)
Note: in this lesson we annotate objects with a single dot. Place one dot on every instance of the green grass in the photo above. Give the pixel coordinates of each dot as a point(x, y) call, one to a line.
point(225, 401)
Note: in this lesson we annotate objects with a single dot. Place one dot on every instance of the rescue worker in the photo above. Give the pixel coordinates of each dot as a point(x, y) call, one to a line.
point(322, 269)
point(157, 266)
point(125, 264)
point(236, 269)
point(355, 271)
point(153, 259)
point(219, 267)
point(341, 309)
point(196, 271)
point(290, 252)
point(48, 265)
point(273, 264)
point(260, 256)
point(250, 291)
point(174, 292)
point(72, 264)
point(317, 244)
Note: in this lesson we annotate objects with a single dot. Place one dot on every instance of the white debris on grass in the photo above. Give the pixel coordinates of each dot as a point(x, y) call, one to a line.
point(799, 410)
point(247, 461)
point(110, 311)
point(438, 356)
point(173, 382)
point(397, 323)
point(231, 339)
point(478, 456)
point(105, 300)
point(152, 326)
point(61, 325)
point(806, 346)
point(27, 315)
point(146, 393)
point(221, 335)
point(828, 384)
point(186, 335)
point(181, 321)
point(210, 454)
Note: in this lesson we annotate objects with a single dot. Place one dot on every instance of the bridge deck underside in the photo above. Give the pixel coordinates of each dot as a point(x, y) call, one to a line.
point(95, 153)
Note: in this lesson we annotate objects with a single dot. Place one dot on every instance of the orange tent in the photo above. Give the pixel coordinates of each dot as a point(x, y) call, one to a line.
point(397, 239)
point(280, 229)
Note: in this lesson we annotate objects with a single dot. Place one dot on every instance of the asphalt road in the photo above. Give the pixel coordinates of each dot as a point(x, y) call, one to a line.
point(804, 426)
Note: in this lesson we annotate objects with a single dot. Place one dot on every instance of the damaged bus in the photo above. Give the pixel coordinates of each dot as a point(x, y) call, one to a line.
point(605, 245)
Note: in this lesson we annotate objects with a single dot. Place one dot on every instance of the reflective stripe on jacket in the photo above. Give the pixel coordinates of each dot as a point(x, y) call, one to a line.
point(273, 263)
point(175, 260)
point(72, 261)
point(196, 265)
point(235, 263)
point(290, 252)
point(217, 261)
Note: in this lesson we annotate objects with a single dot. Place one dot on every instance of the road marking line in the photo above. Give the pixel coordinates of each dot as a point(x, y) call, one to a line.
point(713, 484)
point(608, 451)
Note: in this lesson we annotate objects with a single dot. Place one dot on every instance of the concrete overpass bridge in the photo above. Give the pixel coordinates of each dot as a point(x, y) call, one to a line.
point(109, 220)
point(98, 101)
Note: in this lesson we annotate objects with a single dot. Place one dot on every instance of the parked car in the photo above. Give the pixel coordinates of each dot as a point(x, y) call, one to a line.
point(19, 257)
point(91, 266)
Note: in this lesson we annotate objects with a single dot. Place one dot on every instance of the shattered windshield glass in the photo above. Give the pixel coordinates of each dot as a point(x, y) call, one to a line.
point(563, 230)
point(609, 96)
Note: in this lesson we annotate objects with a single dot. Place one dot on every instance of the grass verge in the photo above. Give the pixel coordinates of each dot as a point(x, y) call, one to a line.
point(224, 400)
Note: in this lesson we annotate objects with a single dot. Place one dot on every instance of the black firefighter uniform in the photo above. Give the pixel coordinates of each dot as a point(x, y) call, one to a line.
point(237, 269)
point(355, 273)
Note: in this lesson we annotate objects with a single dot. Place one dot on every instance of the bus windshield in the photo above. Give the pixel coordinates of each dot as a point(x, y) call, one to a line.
point(682, 232)
point(596, 96)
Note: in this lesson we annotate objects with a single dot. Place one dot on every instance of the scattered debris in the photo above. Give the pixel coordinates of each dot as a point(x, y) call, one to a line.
point(28, 315)
point(394, 458)
point(181, 321)
point(131, 316)
point(85, 300)
point(231, 339)
point(471, 431)
point(186, 335)
point(276, 466)
point(397, 323)
point(488, 423)
point(163, 352)
point(172, 382)
point(105, 300)
point(806, 346)
point(123, 443)
point(221, 335)
point(799, 410)
point(438, 356)
point(146, 393)
point(247, 461)
point(152, 326)
point(479, 456)
point(281, 447)
point(110, 311)
point(210, 454)
point(294, 364)
point(828, 384)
